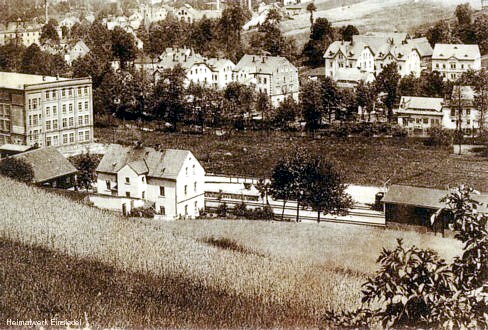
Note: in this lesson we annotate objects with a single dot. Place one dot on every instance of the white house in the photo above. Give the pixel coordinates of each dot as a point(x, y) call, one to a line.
point(172, 181)
point(78, 50)
point(197, 69)
point(451, 60)
point(462, 112)
point(419, 114)
point(273, 75)
point(372, 52)
point(350, 77)
point(222, 70)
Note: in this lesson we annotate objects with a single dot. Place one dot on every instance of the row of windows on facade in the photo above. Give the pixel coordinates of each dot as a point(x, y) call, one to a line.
point(453, 65)
point(83, 136)
point(434, 122)
point(369, 64)
point(36, 120)
point(81, 106)
point(52, 94)
point(161, 188)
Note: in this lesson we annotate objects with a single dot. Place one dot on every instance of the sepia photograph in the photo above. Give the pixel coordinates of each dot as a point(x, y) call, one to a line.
point(243, 164)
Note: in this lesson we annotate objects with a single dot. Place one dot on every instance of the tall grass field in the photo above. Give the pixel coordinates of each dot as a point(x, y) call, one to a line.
point(63, 258)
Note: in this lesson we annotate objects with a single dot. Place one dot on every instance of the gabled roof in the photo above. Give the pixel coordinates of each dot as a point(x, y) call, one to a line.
point(183, 56)
point(219, 63)
point(47, 164)
point(82, 46)
point(424, 197)
point(263, 64)
point(421, 103)
point(380, 45)
point(458, 51)
point(165, 164)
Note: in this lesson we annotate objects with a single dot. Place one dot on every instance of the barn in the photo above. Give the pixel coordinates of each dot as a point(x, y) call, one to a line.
point(416, 205)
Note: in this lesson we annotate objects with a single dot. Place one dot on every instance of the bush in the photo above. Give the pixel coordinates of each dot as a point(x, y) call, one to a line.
point(16, 169)
point(398, 132)
point(439, 137)
point(240, 210)
point(415, 288)
point(143, 212)
point(264, 213)
point(222, 210)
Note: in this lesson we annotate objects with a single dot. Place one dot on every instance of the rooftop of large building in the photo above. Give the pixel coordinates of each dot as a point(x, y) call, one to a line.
point(458, 51)
point(14, 80)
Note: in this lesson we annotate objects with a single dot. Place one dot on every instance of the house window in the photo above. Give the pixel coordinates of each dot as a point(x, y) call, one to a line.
point(195, 186)
point(127, 180)
point(162, 210)
point(186, 189)
point(186, 170)
point(468, 112)
point(80, 120)
point(80, 106)
point(161, 191)
point(142, 178)
point(468, 121)
point(453, 112)
point(55, 124)
point(65, 138)
point(63, 92)
point(426, 120)
point(87, 120)
point(65, 122)
point(86, 105)
point(87, 135)
point(71, 137)
point(107, 183)
point(70, 107)
point(55, 111)
point(54, 94)
point(47, 95)
point(127, 194)
point(48, 125)
point(186, 209)
point(143, 194)
point(48, 111)
point(79, 91)
point(196, 207)
point(64, 109)
point(48, 141)
point(80, 136)
point(193, 169)
point(71, 121)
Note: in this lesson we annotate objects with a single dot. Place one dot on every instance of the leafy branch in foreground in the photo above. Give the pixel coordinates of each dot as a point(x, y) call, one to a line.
point(415, 288)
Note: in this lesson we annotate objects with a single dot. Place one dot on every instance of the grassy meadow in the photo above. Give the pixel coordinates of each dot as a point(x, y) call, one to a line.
point(367, 161)
point(64, 258)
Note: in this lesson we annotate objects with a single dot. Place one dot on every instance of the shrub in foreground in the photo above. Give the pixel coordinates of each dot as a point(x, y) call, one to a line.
point(418, 289)
point(16, 169)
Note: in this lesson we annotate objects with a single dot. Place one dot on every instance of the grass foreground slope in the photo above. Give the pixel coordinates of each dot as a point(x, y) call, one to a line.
point(64, 259)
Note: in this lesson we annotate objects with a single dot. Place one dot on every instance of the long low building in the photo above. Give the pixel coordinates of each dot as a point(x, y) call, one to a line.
point(416, 205)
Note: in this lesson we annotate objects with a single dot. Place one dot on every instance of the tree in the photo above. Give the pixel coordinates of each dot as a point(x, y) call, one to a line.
point(86, 165)
point(432, 84)
point(264, 188)
point(169, 95)
point(282, 183)
point(311, 104)
point(32, 60)
point(409, 86)
point(263, 105)
point(311, 9)
point(17, 169)
point(238, 100)
point(463, 14)
point(366, 98)
point(387, 82)
point(285, 113)
point(230, 26)
point(49, 32)
point(348, 31)
point(320, 37)
point(330, 97)
point(439, 33)
point(324, 190)
point(123, 46)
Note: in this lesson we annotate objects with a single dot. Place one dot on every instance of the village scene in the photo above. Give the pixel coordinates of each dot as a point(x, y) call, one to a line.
point(244, 164)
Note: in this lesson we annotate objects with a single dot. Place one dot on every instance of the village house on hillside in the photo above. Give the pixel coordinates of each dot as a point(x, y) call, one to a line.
point(21, 33)
point(80, 49)
point(172, 180)
point(419, 114)
point(50, 167)
point(451, 60)
point(372, 52)
point(273, 75)
point(45, 111)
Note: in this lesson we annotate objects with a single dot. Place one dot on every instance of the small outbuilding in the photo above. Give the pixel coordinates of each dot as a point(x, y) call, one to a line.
point(50, 167)
point(416, 205)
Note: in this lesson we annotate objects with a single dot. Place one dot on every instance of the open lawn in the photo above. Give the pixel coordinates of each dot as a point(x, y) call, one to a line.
point(365, 161)
point(203, 274)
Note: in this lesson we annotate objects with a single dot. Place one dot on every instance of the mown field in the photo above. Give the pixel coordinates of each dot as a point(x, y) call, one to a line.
point(368, 161)
point(62, 258)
